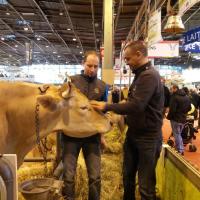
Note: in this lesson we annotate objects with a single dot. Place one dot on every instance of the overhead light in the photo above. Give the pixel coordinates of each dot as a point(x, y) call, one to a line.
point(54, 52)
point(74, 39)
point(60, 13)
point(69, 29)
point(81, 52)
point(10, 55)
point(58, 56)
point(47, 46)
point(66, 62)
point(28, 14)
point(7, 13)
point(26, 28)
point(16, 45)
point(2, 38)
point(38, 38)
point(77, 46)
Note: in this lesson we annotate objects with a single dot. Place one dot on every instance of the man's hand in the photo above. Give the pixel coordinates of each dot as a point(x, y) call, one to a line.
point(98, 105)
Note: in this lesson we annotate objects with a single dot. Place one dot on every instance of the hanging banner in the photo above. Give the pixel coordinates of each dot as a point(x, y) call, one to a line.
point(191, 36)
point(193, 47)
point(185, 5)
point(154, 28)
point(166, 49)
point(29, 52)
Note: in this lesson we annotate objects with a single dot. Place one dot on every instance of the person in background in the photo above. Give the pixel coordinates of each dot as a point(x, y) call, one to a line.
point(144, 109)
point(179, 106)
point(124, 93)
point(166, 95)
point(94, 89)
point(115, 95)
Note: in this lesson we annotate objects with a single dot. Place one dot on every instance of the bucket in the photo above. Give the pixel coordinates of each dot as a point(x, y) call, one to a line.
point(37, 189)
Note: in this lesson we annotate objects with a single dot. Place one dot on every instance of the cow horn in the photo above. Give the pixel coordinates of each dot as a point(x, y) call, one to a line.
point(66, 93)
point(68, 78)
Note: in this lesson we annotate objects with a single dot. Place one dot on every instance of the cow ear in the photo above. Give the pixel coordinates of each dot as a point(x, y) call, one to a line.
point(47, 102)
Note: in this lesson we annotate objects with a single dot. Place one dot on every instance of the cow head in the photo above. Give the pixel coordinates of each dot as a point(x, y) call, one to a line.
point(75, 115)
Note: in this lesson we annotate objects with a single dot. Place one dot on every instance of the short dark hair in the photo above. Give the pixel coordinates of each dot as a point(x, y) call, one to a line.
point(87, 53)
point(175, 86)
point(138, 45)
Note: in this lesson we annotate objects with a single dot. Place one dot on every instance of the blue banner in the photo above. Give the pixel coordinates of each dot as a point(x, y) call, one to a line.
point(193, 47)
point(191, 36)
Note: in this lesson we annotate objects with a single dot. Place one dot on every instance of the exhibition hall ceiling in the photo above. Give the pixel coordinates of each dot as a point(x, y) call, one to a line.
point(60, 31)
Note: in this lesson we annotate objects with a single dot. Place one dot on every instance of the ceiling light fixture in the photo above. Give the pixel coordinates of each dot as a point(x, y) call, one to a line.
point(2, 38)
point(69, 29)
point(28, 14)
point(38, 39)
point(54, 52)
point(26, 28)
point(81, 52)
point(7, 13)
point(60, 13)
point(16, 45)
point(47, 46)
point(74, 39)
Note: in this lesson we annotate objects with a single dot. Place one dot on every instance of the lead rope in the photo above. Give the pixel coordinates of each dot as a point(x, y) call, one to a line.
point(40, 144)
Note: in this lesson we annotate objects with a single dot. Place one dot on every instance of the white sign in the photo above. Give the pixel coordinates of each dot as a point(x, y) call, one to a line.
point(185, 5)
point(166, 49)
point(154, 28)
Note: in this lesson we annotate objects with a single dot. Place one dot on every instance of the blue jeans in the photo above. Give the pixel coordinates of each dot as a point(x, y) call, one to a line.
point(92, 155)
point(177, 129)
point(140, 155)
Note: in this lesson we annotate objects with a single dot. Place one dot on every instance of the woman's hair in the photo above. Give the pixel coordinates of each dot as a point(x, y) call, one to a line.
point(87, 53)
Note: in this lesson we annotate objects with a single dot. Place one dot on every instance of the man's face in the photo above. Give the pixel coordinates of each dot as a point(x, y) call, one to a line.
point(91, 65)
point(173, 90)
point(132, 58)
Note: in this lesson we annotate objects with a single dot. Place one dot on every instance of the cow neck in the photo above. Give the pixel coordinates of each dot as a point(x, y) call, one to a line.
point(42, 145)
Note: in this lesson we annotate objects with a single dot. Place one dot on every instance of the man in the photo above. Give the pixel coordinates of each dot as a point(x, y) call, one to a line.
point(94, 89)
point(166, 95)
point(180, 104)
point(144, 118)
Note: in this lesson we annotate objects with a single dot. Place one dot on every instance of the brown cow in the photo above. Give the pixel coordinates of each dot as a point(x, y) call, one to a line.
point(63, 108)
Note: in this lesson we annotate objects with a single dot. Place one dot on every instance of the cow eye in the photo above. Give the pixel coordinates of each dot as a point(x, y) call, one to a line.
point(84, 108)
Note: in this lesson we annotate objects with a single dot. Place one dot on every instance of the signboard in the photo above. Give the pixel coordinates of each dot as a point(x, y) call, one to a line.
point(191, 36)
point(164, 49)
point(193, 47)
point(185, 5)
point(154, 28)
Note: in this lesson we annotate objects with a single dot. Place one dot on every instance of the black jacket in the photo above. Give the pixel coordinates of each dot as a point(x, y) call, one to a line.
point(145, 104)
point(180, 104)
point(167, 96)
point(91, 87)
